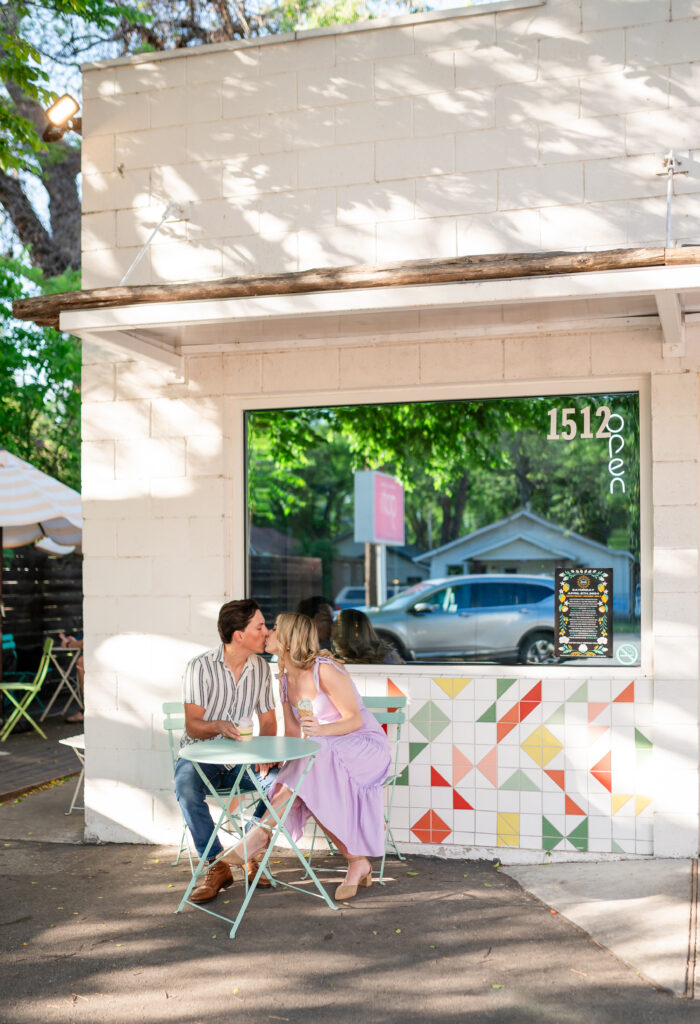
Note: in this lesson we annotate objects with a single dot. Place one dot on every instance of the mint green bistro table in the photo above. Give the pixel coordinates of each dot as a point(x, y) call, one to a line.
point(259, 750)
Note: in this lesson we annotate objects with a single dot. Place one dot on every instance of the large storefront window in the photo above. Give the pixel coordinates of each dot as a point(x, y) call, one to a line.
point(498, 495)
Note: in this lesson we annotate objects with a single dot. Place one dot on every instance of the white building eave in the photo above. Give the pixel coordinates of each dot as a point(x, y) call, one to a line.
point(165, 331)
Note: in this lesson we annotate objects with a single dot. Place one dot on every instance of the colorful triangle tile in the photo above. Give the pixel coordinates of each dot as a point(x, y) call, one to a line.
point(459, 803)
point(595, 732)
point(641, 742)
point(619, 800)
point(551, 836)
point(452, 687)
point(461, 765)
point(602, 771)
point(520, 782)
point(570, 807)
point(557, 717)
point(488, 766)
point(541, 746)
point(392, 689)
point(616, 848)
point(556, 775)
point(436, 779)
point(581, 695)
point(533, 696)
point(641, 803)
point(508, 829)
point(595, 708)
point(414, 749)
point(626, 696)
point(402, 777)
point(430, 720)
point(431, 828)
point(502, 685)
point(508, 722)
point(489, 715)
point(579, 836)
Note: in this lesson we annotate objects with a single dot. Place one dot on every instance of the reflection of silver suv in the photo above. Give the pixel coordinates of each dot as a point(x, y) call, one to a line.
point(478, 618)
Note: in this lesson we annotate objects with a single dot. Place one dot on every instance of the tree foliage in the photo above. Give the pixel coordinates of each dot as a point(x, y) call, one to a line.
point(39, 371)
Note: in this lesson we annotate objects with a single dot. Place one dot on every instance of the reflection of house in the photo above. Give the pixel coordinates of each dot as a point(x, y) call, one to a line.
point(526, 543)
point(279, 577)
point(349, 564)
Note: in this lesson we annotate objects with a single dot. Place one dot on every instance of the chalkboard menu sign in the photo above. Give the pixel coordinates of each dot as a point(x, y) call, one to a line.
point(584, 600)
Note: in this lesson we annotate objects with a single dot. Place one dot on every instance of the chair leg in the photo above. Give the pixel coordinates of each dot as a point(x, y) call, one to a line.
point(19, 712)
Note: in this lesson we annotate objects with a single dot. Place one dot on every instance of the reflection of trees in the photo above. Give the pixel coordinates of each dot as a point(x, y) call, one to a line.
point(463, 464)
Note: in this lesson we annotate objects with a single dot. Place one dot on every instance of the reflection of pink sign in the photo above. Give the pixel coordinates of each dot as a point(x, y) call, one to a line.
point(388, 510)
point(378, 508)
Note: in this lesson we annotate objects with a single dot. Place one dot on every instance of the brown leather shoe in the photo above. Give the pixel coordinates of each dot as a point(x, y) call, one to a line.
point(252, 869)
point(217, 877)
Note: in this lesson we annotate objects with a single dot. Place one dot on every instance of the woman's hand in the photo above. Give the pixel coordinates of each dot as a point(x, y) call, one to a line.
point(311, 726)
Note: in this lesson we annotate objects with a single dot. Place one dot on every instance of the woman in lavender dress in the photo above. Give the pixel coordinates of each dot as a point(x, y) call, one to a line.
point(343, 789)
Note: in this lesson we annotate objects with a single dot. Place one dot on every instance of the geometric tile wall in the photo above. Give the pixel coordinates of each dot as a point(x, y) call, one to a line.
point(557, 764)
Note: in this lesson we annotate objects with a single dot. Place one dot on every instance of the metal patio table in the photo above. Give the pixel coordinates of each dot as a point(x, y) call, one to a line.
point(69, 655)
point(245, 755)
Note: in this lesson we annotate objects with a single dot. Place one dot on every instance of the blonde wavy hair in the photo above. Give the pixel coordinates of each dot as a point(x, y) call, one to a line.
point(297, 641)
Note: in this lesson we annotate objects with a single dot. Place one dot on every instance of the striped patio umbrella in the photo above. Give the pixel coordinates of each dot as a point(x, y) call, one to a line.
point(34, 505)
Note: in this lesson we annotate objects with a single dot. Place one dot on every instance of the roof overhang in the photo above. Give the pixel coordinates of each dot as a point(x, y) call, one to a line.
point(166, 323)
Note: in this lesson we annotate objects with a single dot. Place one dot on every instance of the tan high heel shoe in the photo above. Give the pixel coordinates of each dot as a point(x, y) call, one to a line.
point(346, 892)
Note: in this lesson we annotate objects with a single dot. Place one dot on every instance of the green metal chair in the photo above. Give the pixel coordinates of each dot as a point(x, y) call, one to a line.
point(389, 711)
point(174, 722)
point(21, 693)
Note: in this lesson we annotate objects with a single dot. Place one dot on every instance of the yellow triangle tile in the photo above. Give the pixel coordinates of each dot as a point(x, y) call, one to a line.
point(541, 746)
point(641, 803)
point(619, 800)
point(452, 687)
point(508, 829)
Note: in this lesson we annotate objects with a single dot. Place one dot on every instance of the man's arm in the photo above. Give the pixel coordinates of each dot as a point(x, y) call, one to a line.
point(268, 723)
point(199, 729)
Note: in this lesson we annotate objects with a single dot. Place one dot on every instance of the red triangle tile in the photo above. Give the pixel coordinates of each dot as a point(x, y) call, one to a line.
point(431, 828)
point(534, 695)
point(436, 779)
point(602, 771)
point(556, 775)
point(459, 803)
point(572, 808)
point(594, 709)
point(461, 765)
point(626, 696)
point(392, 690)
point(595, 732)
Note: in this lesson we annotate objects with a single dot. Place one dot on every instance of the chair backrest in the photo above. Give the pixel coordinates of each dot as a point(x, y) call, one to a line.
point(44, 663)
point(389, 711)
point(173, 721)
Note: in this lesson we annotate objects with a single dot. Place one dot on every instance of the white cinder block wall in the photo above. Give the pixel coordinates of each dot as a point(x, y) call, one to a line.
point(539, 127)
point(536, 127)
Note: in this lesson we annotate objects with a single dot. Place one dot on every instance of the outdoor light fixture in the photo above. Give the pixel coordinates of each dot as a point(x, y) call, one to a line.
point(60, 116)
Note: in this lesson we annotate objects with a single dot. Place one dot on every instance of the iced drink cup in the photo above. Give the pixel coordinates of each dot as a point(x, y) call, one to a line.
point(245, 729)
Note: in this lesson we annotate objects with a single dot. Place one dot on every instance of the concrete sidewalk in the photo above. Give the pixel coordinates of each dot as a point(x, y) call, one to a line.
point(89, 934)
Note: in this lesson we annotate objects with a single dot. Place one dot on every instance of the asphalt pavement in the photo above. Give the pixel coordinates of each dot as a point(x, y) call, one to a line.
point(90, 934)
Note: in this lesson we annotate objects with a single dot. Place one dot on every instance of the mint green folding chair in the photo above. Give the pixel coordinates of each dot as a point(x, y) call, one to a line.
point(21, 692)
point(388, 711)
point(174, 722)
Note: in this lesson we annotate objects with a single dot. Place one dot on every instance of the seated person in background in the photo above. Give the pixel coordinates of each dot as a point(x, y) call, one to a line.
point(222, 687)
point(74, 644)
point(343, 788)
point(355, 641)
point(320, 610)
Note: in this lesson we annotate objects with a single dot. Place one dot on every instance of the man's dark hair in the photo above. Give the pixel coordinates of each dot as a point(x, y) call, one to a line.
point(235, 615)
point(312, 605)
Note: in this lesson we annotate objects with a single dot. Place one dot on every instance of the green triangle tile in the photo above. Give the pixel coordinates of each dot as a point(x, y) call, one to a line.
point(489, 715)
point(430, 720)
point(414, 750)
point(520, 782)
point(616, 848)
point(579, 836)
point(551, 836)
point(581, 694)
point(558, 717)
point(502, 685)
point(402, 778)
point(644, 755)
point(641, 742)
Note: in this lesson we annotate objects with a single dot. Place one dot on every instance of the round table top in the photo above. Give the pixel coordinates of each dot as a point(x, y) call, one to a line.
point(259, 750)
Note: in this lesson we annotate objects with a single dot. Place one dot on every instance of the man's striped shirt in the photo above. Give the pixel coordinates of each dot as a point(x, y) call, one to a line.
point(209, 682)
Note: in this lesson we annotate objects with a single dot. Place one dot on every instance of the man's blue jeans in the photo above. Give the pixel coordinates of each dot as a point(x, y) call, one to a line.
point(191, 795)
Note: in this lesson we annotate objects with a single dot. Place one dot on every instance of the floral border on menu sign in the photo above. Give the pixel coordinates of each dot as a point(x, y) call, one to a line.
point(584, 601)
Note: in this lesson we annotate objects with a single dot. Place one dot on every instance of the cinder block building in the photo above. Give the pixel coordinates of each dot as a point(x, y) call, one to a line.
point(441, 207)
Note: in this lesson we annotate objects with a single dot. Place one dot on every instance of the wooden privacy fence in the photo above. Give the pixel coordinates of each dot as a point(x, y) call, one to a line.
point(43, 596)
